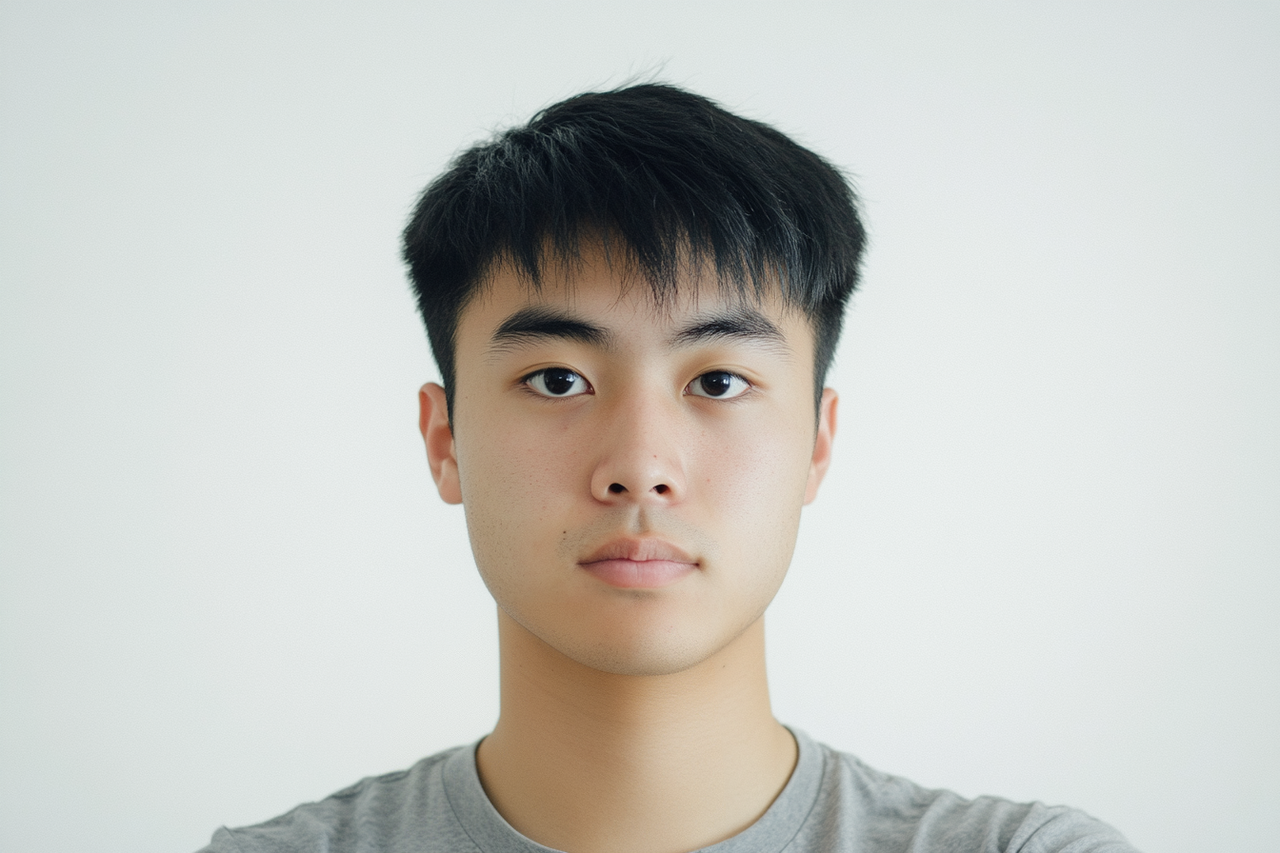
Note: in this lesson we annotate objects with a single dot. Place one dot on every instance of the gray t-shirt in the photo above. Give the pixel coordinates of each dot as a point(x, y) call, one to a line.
point(832, 802)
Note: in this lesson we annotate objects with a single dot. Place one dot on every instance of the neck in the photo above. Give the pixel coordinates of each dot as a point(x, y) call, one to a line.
point(583, 760)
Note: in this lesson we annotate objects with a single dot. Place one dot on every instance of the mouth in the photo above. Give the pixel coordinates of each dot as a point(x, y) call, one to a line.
point(639, 564)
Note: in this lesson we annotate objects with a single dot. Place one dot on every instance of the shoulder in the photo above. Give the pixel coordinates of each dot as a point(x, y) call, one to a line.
point(377, 813)
point(892, 813)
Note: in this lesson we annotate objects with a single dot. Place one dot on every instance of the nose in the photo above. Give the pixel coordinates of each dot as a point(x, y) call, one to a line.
point(640, 459)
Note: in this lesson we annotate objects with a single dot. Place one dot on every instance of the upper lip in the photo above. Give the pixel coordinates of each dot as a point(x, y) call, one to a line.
point(639, 550)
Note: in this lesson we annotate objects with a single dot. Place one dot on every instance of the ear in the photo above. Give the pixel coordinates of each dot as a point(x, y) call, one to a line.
point(822, 443)
point(433, 422)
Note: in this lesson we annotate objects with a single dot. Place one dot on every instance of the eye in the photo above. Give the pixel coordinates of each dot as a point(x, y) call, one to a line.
point(719, 384)
point(557, 382)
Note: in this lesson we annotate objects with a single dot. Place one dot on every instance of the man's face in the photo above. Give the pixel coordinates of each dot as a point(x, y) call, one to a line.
point(632, 475)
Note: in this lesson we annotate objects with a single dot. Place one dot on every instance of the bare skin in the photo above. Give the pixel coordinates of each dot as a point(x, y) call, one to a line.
point(583, 760)
point(635, 707)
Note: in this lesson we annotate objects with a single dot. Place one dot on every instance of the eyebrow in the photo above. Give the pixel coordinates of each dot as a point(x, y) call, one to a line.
point(739, 322)
point(544, 323)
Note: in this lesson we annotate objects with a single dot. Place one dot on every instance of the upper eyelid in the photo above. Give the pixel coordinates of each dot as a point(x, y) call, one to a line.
point(734, 373)
point(750, 385)
point(532, 373)
point(524, 379)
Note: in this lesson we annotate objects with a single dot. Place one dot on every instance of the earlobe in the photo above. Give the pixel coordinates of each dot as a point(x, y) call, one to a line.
point(437, 434)
point(821, 459)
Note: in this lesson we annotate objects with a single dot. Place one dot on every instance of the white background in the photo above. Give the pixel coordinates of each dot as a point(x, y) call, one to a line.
point(1045, 562)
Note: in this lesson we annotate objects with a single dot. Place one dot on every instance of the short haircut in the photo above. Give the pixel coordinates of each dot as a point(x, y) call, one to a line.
point(667, 179)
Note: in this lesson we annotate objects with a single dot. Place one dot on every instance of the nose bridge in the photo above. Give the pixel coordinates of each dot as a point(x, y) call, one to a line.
point(640, 458)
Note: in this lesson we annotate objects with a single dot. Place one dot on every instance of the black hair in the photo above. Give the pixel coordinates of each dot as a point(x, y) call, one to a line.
point(669, 177)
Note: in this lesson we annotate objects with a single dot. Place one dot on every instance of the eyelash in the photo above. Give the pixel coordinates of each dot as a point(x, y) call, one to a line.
point(732, 376)
point(527, 381)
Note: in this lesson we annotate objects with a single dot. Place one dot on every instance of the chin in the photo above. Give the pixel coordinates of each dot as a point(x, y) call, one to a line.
point(645, 647)
point(657, 658)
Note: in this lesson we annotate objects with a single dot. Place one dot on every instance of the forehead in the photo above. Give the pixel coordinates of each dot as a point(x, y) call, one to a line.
point(608, 289)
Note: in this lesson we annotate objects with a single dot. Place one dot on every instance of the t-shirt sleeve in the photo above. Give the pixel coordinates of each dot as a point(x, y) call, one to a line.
point(222, 842)
point(1064, 830)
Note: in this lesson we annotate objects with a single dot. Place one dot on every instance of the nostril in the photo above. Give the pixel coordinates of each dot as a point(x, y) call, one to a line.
point(617, 488)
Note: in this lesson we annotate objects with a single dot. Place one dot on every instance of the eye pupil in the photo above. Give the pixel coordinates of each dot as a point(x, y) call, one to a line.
point(716, 384)
point(558, 380)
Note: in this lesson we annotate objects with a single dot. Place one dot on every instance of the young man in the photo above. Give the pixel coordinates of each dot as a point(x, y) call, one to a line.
point(633, 301)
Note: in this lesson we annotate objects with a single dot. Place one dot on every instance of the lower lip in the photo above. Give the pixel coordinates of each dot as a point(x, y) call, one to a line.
point(639, 574)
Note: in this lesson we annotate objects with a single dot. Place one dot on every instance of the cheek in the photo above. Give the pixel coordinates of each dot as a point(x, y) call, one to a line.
point(513, 482)
point(757, 466)
point(753, 481)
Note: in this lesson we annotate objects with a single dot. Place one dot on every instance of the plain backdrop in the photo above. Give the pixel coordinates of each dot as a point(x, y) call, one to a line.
point(1044, 565)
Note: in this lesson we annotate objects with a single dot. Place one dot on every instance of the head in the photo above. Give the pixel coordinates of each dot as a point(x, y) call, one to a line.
point(669, 180)
point(633, 302)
